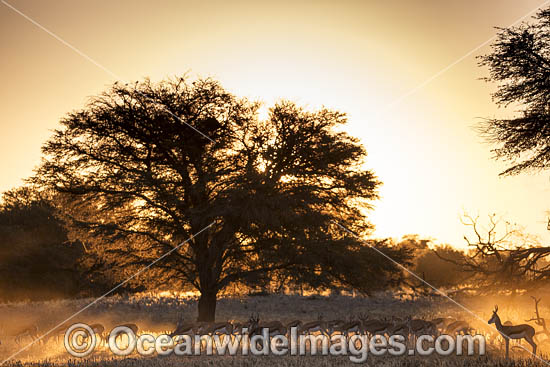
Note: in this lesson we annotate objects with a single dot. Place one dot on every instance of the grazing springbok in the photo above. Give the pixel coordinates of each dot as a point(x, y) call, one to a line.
point(30, 331)
point(313, 326)
point(132, 327)
point(184, 328)
point(99, 330)
point(508, 332)
point(352, 326)
point(458, 327)
point(56, 334)
point(296, 323)
point(400, 328)
point(274, 327)
point(335, 325)
point(374, 327)
point(238, 328)
point(422, 327)
point(219, 328)
point(442, 322)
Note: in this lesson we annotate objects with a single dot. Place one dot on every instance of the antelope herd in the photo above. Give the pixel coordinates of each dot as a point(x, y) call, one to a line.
point(362, 324)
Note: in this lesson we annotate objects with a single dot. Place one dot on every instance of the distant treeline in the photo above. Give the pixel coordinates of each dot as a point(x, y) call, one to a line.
point(39, 261)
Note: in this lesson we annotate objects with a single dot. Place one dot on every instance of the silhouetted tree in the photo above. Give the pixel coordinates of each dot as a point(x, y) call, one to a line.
point(502, 257)
point(136, 179)
point(520, 65)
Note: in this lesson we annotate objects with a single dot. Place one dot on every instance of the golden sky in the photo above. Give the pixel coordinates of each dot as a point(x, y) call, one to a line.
point(359, 57)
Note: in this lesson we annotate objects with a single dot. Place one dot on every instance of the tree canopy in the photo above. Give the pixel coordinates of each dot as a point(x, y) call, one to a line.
point(501, 256)
point(244, 197)
point(520, 66)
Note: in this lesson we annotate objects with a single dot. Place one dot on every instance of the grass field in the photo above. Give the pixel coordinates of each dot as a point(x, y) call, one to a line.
point(157, 314)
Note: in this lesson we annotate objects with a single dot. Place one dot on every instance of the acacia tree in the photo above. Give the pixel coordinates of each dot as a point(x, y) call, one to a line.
point(520, 66)
point(500, 254)
point(243, 198)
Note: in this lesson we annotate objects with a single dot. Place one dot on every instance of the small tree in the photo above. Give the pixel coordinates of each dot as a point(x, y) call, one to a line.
point(520, 65)
point(136, 180)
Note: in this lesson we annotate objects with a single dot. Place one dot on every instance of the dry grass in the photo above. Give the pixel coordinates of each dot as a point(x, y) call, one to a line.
point(310, 361)
point(156, 314)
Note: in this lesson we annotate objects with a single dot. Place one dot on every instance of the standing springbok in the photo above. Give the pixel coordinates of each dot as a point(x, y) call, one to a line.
point(522, 331)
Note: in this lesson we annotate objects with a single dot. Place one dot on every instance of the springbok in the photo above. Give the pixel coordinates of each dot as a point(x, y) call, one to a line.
point(458, 327)
point(313, 326)
point(56, 334)
point(274, 327)
point(522, 331)
point(119, 334)
point(220, 328)
point(99, 330)
point(184, 328)
point(294, 324)
point(132, 327)
point(442, 322)
point(30, 331)
point(352, 326)
point(401, 328)
point(238, 328)
point(419, 327)
point(374, 327)
point(334, 325)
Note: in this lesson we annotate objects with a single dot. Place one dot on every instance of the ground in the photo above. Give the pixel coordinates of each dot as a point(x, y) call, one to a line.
point(158, 314)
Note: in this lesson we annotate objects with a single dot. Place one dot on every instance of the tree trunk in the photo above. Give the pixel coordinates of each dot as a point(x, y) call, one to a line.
point(207, 306)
